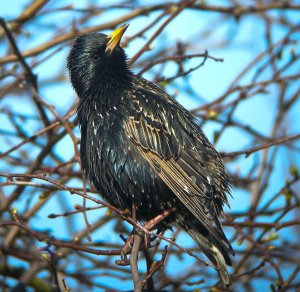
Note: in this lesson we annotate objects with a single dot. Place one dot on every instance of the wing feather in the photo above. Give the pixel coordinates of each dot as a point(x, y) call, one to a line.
point(184, 188)
point(175, 165)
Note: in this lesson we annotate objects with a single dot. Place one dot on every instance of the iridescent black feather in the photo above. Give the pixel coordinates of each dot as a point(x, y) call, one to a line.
point(138, 145)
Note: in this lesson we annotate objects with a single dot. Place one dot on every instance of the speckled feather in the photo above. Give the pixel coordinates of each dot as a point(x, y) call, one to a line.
point(138, 145)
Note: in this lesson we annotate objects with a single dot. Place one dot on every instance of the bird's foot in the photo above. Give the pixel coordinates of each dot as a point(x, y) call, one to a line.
point(125, 250)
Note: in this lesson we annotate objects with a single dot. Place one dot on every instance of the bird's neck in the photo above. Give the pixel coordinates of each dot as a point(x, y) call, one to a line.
point(105, 94)
point(110, 82)
point(104, 100)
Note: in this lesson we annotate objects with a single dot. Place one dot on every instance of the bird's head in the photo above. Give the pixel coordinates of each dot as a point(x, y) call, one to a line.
point(96, 60)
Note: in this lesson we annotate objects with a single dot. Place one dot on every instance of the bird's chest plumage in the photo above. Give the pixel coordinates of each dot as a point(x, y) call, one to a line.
point(113, 163)
point(102, 142)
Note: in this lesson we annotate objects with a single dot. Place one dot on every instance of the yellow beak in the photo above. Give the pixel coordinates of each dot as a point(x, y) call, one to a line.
point(115, 38)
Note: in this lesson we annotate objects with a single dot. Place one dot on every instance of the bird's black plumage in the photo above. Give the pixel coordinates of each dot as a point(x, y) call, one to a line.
point(139, 146)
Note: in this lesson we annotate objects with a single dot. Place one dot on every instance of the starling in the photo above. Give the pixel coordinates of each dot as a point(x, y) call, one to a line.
point(140, 147)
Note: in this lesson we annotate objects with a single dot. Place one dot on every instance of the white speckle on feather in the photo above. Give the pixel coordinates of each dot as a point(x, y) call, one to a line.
point(98, 151)
point(94, 128)
point(209, 180)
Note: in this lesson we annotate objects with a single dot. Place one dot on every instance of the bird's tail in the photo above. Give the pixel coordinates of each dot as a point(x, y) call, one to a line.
point(216, 252)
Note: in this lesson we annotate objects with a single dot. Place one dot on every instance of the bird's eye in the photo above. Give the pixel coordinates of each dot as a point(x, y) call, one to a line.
point(95, 57)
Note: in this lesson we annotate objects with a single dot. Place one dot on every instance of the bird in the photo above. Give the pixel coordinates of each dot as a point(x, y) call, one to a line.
point(139, 147)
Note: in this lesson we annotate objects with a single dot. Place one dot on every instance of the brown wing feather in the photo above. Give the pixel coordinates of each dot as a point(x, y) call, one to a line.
point(155, 145)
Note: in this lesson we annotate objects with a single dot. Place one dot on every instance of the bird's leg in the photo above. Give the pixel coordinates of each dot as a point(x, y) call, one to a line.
point(133, 212)
point(148, 239)
point(126, 249)
point(150, 225)
point(154, 221)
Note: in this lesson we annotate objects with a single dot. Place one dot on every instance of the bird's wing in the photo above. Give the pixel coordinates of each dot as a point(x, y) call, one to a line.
point(163, 139)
